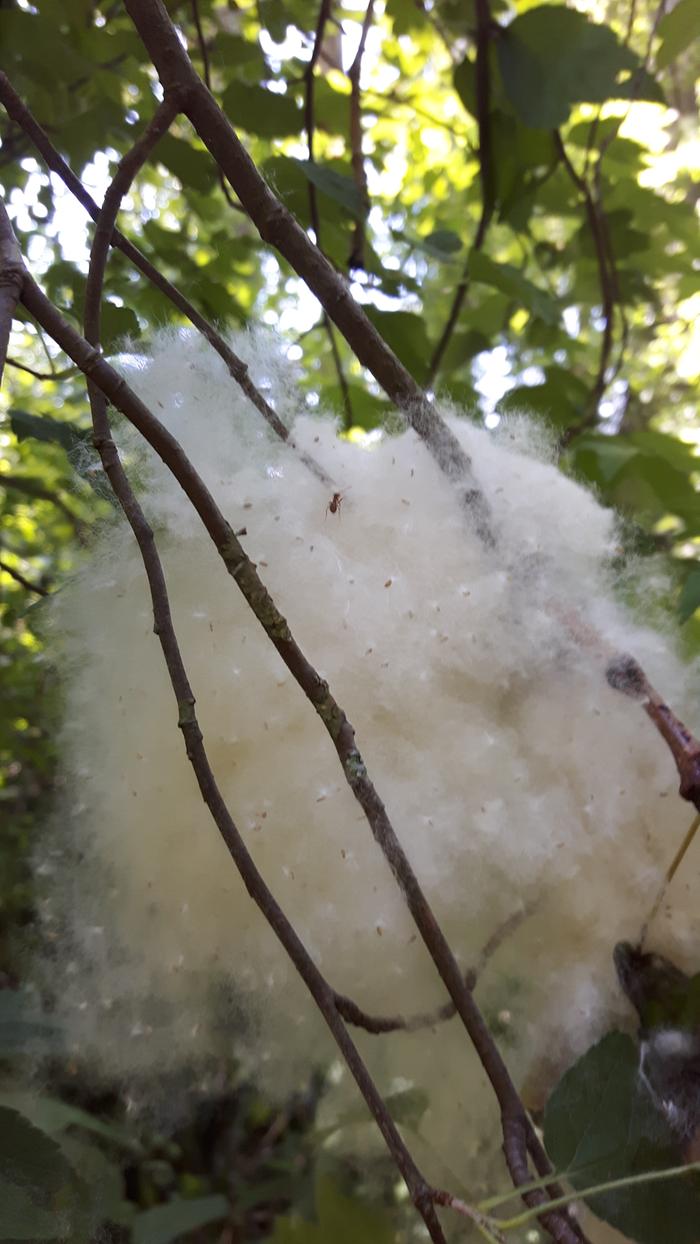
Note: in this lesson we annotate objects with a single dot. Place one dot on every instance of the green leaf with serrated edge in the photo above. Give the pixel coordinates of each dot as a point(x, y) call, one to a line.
point(168, 1222)
point(551, 57)
point(599, 1124)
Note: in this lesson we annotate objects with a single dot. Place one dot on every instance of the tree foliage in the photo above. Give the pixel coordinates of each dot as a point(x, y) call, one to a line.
point(510, 193)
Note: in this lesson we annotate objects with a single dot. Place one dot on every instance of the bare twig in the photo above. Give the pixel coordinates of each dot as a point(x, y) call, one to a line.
point(277, 226)
point(43, 375)
point(341, 732)
point(607, 281)
point(357, 254)
point(625, 674)
point(237, 369)
point(32, 487)
point(19, 578)
point(484, 31)
point(487, 1227)
point(206, 74)
point(203, 49)
point(378, 1024)
point(310, 126)
point(318, 987)
point(669, 875)
point(309, 111)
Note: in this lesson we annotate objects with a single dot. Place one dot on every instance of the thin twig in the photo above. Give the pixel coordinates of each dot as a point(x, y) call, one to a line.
point(337, 725)
point(310, 126)
point(484, 30)
point(379, 1024)
point(43, 375)
point(669, 875)
point(187, 720)
point(237, 369)
point(206, 74)
point(607, 281)
point(357, 254)
point(19, 578)
point(277, 226)
point(309, 110)
point(486, 1226)
point(32, 487)
point(203, 49)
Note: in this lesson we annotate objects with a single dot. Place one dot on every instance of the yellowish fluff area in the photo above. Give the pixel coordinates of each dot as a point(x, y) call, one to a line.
point(512, 773)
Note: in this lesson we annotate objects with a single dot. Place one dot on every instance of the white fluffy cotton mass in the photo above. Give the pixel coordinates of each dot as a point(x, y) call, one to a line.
point(512, 772)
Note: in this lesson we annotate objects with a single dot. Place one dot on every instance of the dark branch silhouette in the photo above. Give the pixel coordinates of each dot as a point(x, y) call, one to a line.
point(103, 377)
point(357, 254)
point(484, 31)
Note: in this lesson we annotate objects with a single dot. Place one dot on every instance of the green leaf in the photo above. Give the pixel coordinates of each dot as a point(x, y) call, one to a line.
point(678, 30)
point(23, 1219)
point(442, 243)
point(193, 167)
point(405, 333)
point(552, 57)
point(509, 280)
point(258, 111)
point(117, 323)
point(53, 1116)
point(168, 1222)
point(40, 1190)
point(335, 185)
point(45, 428)
point(690, 595)
point(102, 1180)
point(560, 399)
point(600, 459)
point(600, 1124)
point(368, 411)
point(339, 1219)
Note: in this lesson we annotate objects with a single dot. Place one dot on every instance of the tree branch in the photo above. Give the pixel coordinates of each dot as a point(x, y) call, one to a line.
point(34, 488)
point(42, 375)
point(607, 280)
point(378, 1024)
point(19, 578)
point(484, 30)
point(319, 988)
point(277, 226)
point(357, 254)
point(310, 125)
point(341, 732)
point(237, 369)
